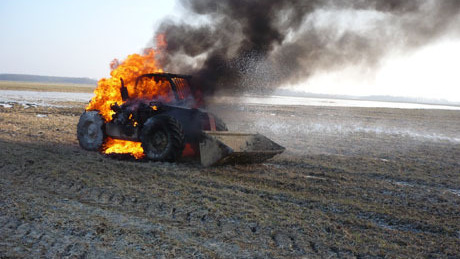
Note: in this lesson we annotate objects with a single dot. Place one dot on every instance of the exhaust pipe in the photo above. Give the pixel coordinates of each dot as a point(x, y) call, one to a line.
point(123, 91)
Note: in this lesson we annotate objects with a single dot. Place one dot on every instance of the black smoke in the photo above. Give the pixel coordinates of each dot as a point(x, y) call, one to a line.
point(258, 45)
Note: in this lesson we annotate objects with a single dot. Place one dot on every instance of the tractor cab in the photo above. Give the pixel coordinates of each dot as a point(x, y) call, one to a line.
point(164, 87)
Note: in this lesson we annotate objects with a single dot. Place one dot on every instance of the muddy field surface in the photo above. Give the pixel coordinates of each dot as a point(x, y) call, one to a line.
point(353, 183)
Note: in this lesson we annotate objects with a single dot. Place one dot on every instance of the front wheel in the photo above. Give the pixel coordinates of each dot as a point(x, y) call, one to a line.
point(90, 132)
point(162, 138)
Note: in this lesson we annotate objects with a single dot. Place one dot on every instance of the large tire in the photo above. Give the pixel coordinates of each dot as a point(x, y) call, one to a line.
point(90, 131)
point(162, 138)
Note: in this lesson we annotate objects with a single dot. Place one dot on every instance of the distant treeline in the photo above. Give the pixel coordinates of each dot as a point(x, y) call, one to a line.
point(379, 98)
point(47, 79)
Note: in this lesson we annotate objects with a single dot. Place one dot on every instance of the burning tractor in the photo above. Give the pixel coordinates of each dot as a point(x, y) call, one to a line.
point(166, 123)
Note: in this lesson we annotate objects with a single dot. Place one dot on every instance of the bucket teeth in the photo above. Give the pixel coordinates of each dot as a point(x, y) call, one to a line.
point(222, 147)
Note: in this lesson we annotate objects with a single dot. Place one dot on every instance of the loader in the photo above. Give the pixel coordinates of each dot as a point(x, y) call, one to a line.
point(165, 124)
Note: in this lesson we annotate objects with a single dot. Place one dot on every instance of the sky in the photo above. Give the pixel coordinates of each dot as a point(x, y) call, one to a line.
point(428, 73)
point(75, 38)
point(81, 38)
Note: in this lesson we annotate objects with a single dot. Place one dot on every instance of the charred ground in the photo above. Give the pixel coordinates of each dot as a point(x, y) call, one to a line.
point(353, 182)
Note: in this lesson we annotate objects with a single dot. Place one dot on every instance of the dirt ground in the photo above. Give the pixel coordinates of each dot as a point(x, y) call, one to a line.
point(353, 183)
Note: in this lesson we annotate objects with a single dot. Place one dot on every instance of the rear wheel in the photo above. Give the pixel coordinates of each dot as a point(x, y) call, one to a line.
point(162, 138)
point(90, 132)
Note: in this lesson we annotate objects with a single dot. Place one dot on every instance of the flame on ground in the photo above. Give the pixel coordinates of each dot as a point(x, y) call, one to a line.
point(117, 146)
point(189, 150)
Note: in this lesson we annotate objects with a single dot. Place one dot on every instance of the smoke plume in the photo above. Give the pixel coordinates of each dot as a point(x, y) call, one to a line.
point(257, 45)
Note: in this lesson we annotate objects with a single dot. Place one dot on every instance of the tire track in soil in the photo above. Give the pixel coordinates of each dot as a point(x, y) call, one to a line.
point(63, 187)
point(110, 200)
point(100, 207)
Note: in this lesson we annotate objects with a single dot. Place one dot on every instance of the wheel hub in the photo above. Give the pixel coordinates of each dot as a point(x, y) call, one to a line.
point(92, 131)
point(159, 141)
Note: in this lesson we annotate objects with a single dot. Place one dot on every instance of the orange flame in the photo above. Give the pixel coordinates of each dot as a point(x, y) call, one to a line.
point(108, 93)
point(118, 146)
point(189, 150)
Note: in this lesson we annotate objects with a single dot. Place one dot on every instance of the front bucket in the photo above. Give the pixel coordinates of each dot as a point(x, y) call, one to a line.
point(223, 147)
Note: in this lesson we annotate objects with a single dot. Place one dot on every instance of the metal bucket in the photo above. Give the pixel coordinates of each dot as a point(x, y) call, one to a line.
point(223, 147)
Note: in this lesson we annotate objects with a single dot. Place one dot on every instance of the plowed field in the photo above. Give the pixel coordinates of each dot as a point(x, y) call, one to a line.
point(353, 182)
